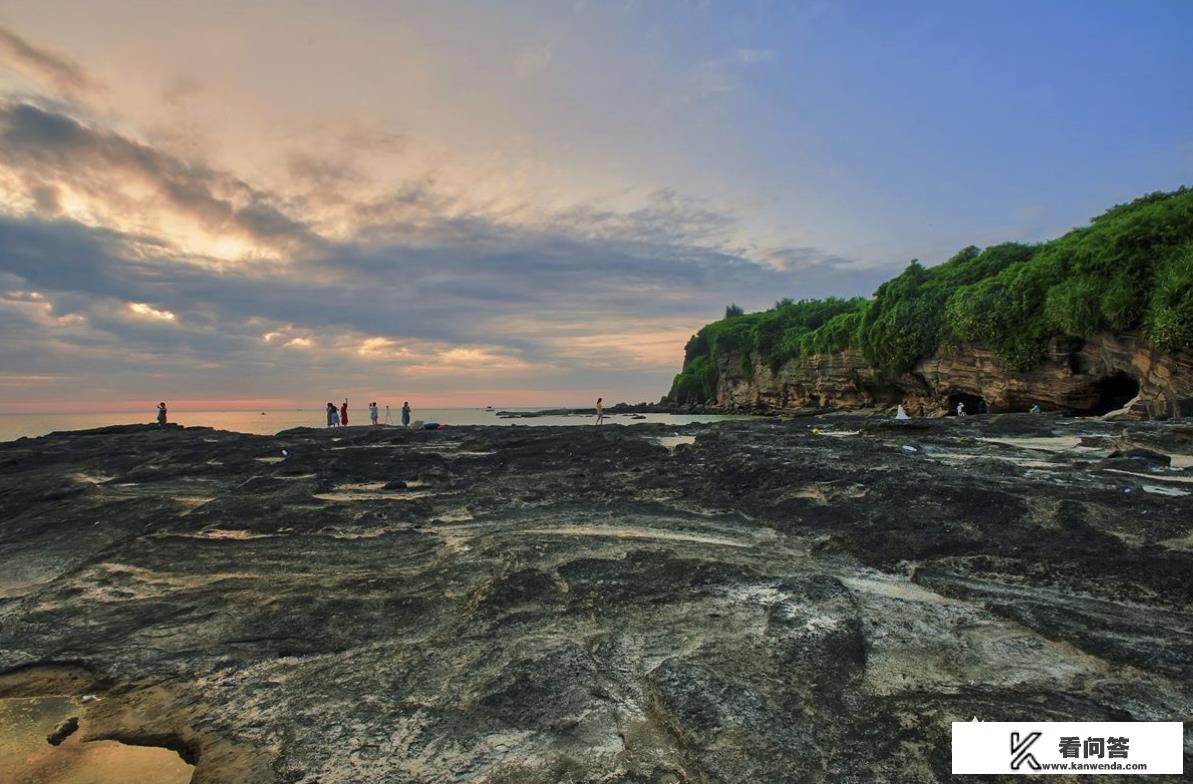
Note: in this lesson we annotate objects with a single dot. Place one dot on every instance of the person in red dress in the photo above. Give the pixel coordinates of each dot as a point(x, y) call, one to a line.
point(344, 413)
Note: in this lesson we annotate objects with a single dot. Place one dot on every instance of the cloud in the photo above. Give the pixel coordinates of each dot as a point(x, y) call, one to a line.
point(19, 380)
point(377, 347)
point(361, 138)
point(486, 299)
point(45, 66)
point(116, 181)
point(802, 258)
point(179, 90)
point(150, 312)
point(138, 268)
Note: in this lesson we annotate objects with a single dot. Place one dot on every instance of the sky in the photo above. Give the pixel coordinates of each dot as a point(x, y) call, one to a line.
point(279, 204)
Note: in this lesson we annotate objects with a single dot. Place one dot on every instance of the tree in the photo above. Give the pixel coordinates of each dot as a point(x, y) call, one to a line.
point(733, 310)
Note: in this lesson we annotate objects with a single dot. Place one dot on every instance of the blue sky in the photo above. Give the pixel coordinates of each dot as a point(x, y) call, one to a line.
point(472, 203)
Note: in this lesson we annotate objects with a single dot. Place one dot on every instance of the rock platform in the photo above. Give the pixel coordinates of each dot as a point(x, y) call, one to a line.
point(811, 600)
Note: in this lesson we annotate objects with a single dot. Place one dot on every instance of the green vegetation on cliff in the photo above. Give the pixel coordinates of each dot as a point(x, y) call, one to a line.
point(1130, 270)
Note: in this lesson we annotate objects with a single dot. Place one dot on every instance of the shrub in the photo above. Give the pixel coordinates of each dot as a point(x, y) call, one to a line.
point(1169, 320)
point(1130, 269)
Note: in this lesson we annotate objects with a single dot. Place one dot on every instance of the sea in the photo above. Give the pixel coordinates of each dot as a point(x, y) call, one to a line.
point(268, 422)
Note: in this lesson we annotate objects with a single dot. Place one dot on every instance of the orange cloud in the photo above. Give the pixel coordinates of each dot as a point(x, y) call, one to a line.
point(150, 312)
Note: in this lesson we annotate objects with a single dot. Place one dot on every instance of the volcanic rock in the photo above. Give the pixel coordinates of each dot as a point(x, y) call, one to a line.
point(63, 731)
point(776, 601)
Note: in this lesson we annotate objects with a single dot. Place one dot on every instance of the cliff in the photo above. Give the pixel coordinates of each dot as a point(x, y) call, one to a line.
point(1089, 322)
point(1082, 376)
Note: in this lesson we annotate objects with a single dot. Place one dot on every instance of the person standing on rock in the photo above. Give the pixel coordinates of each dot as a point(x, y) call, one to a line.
point(373, 412)
point(161, 414)
point(600, 412)
point(406, 414)
point(344, 413)
point(333, 416)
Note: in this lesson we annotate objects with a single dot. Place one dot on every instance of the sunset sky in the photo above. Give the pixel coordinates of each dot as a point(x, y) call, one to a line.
point(249, 204)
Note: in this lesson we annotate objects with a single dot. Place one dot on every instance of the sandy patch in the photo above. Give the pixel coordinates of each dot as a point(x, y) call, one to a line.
point(635, 533)
point(671, 442)
point(1025, 462)
point(26, 757)
point(192, 501)
point(891, 587)
point(349, 496)
point(1047, 443)
point(825, 492)
point(359, 533)
point(229, 533)
point(1168, 491)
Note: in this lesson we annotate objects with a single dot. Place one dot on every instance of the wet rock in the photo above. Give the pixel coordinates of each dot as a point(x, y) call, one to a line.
point(63, 731)
point(775, 601)
point(1140, 455)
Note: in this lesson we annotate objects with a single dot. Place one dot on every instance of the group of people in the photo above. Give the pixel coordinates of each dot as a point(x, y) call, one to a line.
point(960, 410)
point(338, 417)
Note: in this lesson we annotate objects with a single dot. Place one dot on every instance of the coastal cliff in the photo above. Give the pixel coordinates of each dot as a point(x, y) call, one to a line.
point(1083, 376)
point(1094, 321)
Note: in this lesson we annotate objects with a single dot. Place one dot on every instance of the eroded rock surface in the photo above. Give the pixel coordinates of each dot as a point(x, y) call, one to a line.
point(775, 601)
point(1095, 375)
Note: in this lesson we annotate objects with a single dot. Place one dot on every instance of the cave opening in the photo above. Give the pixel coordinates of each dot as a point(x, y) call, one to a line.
point(1112, 393)
point(974, 404)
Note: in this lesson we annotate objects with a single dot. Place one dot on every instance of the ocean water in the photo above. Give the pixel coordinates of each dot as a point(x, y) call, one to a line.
point(14, 426)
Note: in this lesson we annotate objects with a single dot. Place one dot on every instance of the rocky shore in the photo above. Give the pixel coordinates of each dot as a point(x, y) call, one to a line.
point(755, 601)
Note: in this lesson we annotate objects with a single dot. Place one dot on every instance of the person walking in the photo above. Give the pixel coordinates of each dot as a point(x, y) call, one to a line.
point(373, 412)
point(344, 413)
point(600, 411)
point(161, 414)
point(406, 414)
point(332, 417)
